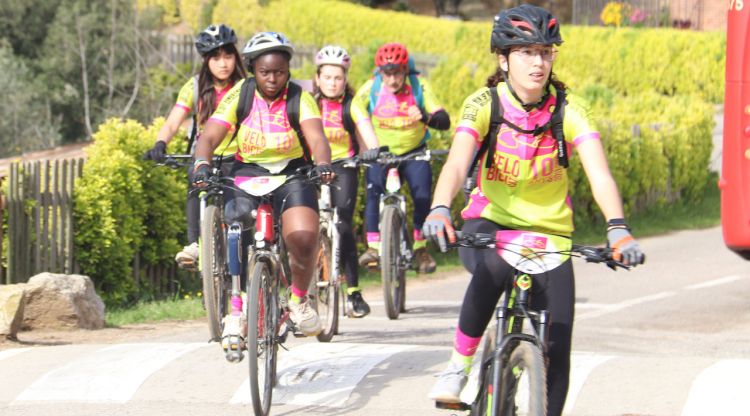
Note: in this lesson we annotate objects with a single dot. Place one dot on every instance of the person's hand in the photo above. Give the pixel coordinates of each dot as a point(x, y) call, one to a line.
point(201, 173)
point(370, 155)
point(438, 225)
point(325, 171)
point(414, 114)
point(626, 249)
point(157, 152)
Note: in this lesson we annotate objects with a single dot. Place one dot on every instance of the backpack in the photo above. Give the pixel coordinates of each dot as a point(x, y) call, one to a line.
point(496, 119)
point(294, 94)
point(346, 118)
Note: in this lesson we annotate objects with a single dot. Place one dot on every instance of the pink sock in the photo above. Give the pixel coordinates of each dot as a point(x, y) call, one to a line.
point(299, 293)
point(466, 345)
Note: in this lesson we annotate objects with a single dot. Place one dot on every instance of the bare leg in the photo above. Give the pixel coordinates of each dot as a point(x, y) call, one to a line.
point(300, 234)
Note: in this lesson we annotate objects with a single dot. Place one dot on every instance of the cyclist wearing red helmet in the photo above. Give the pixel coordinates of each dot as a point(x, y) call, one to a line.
point(523, 187)
point(401, 106)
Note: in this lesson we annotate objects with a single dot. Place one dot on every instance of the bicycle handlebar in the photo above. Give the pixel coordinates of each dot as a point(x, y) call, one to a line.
point(388, 158)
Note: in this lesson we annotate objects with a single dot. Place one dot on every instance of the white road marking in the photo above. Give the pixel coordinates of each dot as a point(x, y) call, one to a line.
point(109, 375)
point(616, 307)
point(715, 282)
point(322, 374)
point(581, 365)
point(720, 390)
point(9, 353)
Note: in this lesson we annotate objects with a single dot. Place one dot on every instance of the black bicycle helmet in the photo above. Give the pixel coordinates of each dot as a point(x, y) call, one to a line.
point(524, 25)
point(214, 37)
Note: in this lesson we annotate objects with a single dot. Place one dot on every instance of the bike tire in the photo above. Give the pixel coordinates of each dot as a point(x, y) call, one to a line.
point(523, 387)
point(484, 389)
point(392, 272)
point(262, 318)
point(216, 291)
point(323, 292)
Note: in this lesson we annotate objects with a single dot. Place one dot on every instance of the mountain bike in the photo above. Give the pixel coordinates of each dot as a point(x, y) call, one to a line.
point(326, 285)
point(512, 374)
point(396, 251)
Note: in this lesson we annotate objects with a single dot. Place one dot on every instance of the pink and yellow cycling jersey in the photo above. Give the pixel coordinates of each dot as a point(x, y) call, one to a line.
point(265, 136)
point(185, 102)
point(332, 111)
point(390, 118)
point(525, 188)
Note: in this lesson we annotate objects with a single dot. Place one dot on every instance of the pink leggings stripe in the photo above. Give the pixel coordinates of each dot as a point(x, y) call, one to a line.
point(466, 345)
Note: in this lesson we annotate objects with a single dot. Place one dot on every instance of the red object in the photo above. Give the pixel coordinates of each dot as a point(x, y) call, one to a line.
point(391, 54)
point(264, 222)
point(735, 170)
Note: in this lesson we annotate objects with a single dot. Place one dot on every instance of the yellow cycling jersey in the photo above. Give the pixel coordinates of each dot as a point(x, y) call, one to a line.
point(390, 115)
point(332, 111)
point(525, 188)
point(185, 101)
point(265, 136)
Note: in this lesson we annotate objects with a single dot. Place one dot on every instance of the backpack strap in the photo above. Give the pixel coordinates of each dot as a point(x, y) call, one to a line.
point(557, 128)
point(490, 140)
point(346, 118)
point(293, 100)
point(194, 127)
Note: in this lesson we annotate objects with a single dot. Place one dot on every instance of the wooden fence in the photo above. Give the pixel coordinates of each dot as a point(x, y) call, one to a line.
point(657, 12)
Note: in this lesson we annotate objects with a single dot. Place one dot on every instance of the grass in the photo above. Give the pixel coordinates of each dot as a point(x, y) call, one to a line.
point(679, 216)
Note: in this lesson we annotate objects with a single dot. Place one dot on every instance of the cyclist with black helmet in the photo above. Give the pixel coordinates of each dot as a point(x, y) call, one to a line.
point(401, 105)
point(270, 143)
point(349, 132)
point(201, 94)
point(522, 186)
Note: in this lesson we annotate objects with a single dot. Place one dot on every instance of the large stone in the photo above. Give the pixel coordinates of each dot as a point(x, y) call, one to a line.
point(62, 301)
point(11, 309)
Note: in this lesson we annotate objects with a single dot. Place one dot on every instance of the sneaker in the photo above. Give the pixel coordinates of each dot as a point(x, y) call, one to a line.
point(450, 382)
point(369, 258)
point(305, 317)
point(188, 257)
point(425, 262)
point(232, 336)
point(357, 306)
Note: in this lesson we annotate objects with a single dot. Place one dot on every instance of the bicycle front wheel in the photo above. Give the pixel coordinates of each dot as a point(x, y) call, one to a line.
point(523, 384)
point(216, 290)
point(262, 318)
point(324, 292)
point(392, 270)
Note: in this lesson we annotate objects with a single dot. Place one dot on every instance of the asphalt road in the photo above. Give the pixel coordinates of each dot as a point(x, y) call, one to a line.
point(671, 338)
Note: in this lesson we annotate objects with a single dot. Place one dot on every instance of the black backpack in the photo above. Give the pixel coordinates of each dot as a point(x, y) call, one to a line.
point(496, 119)
point(346, 118)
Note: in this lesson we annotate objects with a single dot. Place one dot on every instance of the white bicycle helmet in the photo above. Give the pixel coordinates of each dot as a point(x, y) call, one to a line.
point(263, 42)
point(333, 55)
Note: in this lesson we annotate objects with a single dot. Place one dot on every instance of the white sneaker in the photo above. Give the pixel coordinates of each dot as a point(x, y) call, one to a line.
point(450, 382)
point(188, 257)
point(231, 336)
point(305, 317)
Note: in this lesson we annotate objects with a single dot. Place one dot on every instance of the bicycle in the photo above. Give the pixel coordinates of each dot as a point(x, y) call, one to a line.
point(513, 362)
point(326, 285)
point(396, 250)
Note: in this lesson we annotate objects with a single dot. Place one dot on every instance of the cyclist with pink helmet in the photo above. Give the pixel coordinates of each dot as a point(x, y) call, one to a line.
point(401, 106)
point(349, 132)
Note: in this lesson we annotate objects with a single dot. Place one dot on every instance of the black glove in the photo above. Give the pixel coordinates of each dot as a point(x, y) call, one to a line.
point(370, 155)
point(157, 152)
point(201, 173)
point(438, 225)
point(325, 171)
point(625, 247)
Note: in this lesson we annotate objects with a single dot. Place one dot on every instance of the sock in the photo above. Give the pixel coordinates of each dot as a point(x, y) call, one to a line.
point(352, 289)
point(297, 295)
point(373, 240)
point(462, 360)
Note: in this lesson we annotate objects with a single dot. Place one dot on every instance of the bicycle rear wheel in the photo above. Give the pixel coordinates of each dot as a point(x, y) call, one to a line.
point(392, 270)
point(324, 292)
point(523, 387)
point(216, 290)
point(262, 319)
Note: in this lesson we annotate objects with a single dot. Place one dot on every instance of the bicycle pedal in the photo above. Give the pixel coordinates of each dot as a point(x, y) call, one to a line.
point(453, 406)
point(234, 356)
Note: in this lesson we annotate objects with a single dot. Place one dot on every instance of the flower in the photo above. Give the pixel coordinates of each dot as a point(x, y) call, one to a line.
point(617, 14)
point(637, 17)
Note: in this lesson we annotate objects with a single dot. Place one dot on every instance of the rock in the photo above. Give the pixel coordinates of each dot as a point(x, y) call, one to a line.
point(11, 309)
point(62, 301)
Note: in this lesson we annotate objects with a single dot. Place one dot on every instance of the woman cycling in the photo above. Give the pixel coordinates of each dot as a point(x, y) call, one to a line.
point(268, 144)
point(522, 187)
point(334, 96)
point(221, 69)
point(402, 106)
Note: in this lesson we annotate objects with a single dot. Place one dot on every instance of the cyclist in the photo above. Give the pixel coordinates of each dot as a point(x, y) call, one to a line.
point(401, 106)
point(268, 144)
point(522, 187)
point(342, 121)
point(201, 94)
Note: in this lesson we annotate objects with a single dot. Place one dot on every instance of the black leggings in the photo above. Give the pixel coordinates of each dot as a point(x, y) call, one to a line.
point(193, 205)
point(553, 291)
point(344, 198)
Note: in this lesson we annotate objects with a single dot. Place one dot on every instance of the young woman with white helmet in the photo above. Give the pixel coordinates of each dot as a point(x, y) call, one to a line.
point(349, 132)
point(201, 94)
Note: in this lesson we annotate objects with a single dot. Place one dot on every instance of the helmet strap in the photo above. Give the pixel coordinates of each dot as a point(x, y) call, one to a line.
point(528, 107)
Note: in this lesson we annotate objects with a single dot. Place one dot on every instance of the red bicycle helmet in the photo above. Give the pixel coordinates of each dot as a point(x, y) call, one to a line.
point(391, 54)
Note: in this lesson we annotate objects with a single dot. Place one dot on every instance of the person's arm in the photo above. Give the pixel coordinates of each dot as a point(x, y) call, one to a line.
point(312, 129)
point(174, 120)
point(211, 137)
point(366, 135)
point(453, 174)
point(603, 186)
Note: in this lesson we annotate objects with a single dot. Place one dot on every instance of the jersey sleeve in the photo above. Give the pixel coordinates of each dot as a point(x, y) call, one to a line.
point(185, 96)
point(308, 108)
point(578, 123)
point(226, 112)
point(431, 104)
point(362, 98)
point(475, 115)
